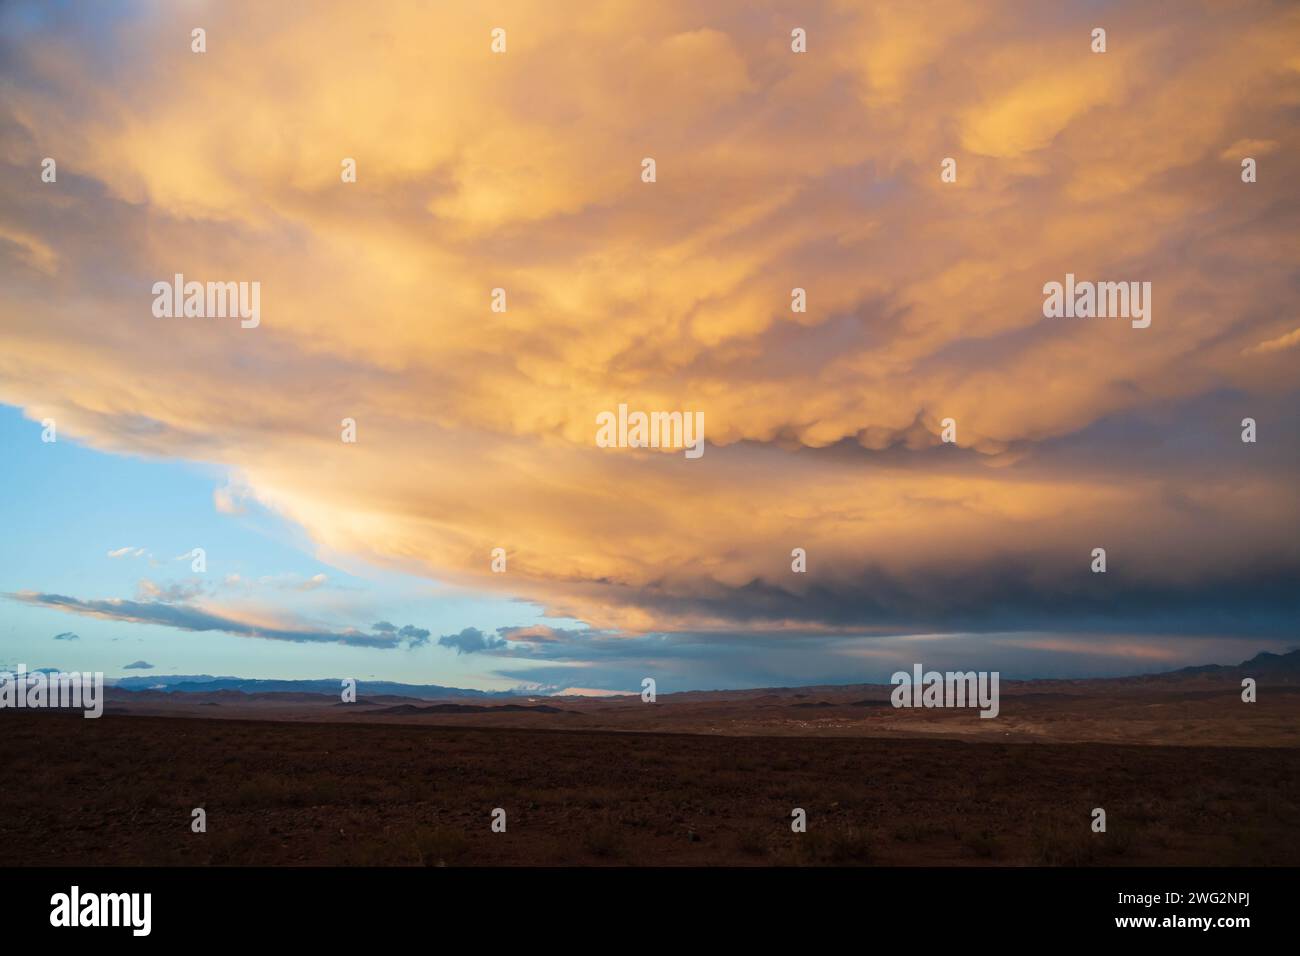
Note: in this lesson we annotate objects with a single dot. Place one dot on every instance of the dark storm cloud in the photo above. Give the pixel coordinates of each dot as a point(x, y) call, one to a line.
point(1010, 593)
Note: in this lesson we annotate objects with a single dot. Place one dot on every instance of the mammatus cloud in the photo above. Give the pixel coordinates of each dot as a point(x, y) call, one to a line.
point(775, 171)
point(188, 617)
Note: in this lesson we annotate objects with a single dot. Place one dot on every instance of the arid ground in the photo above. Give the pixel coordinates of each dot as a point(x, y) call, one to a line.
point(1187, 773)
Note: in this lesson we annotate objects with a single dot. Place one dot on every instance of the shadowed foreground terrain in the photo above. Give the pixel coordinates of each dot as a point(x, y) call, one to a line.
point(120, 790)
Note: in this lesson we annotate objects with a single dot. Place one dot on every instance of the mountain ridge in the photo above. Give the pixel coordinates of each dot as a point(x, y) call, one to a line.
point(1264, 663)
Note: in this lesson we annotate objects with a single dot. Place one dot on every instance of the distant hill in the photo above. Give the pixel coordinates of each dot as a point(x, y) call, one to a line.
point(207, 684)
point(1284, 668)
point(1265, 663)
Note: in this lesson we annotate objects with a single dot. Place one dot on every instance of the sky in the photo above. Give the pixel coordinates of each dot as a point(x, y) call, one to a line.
point(476, 428)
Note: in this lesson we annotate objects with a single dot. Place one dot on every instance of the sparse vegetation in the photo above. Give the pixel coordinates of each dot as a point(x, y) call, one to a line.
point(295, 793)
point(440, 846)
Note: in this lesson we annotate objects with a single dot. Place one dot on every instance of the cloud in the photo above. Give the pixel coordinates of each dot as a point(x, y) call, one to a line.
point(294, 582)
point(681, 661)
point(471, 640)
point(1280, 343)
point(1248, 147)
point(126, 553)
point(138, 666)
point(536, 634)
point(277, 582)
point(173, 593)
point(188, 617)
point(229, 501)
point(414, 636)
point(776, 170)
point(66, 636)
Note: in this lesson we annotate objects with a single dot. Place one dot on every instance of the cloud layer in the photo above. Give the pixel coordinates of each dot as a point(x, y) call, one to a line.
point(175, 612)
point(775, 171)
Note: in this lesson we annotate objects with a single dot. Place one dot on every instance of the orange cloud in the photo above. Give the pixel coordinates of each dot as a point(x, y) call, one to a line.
point(775, 170)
